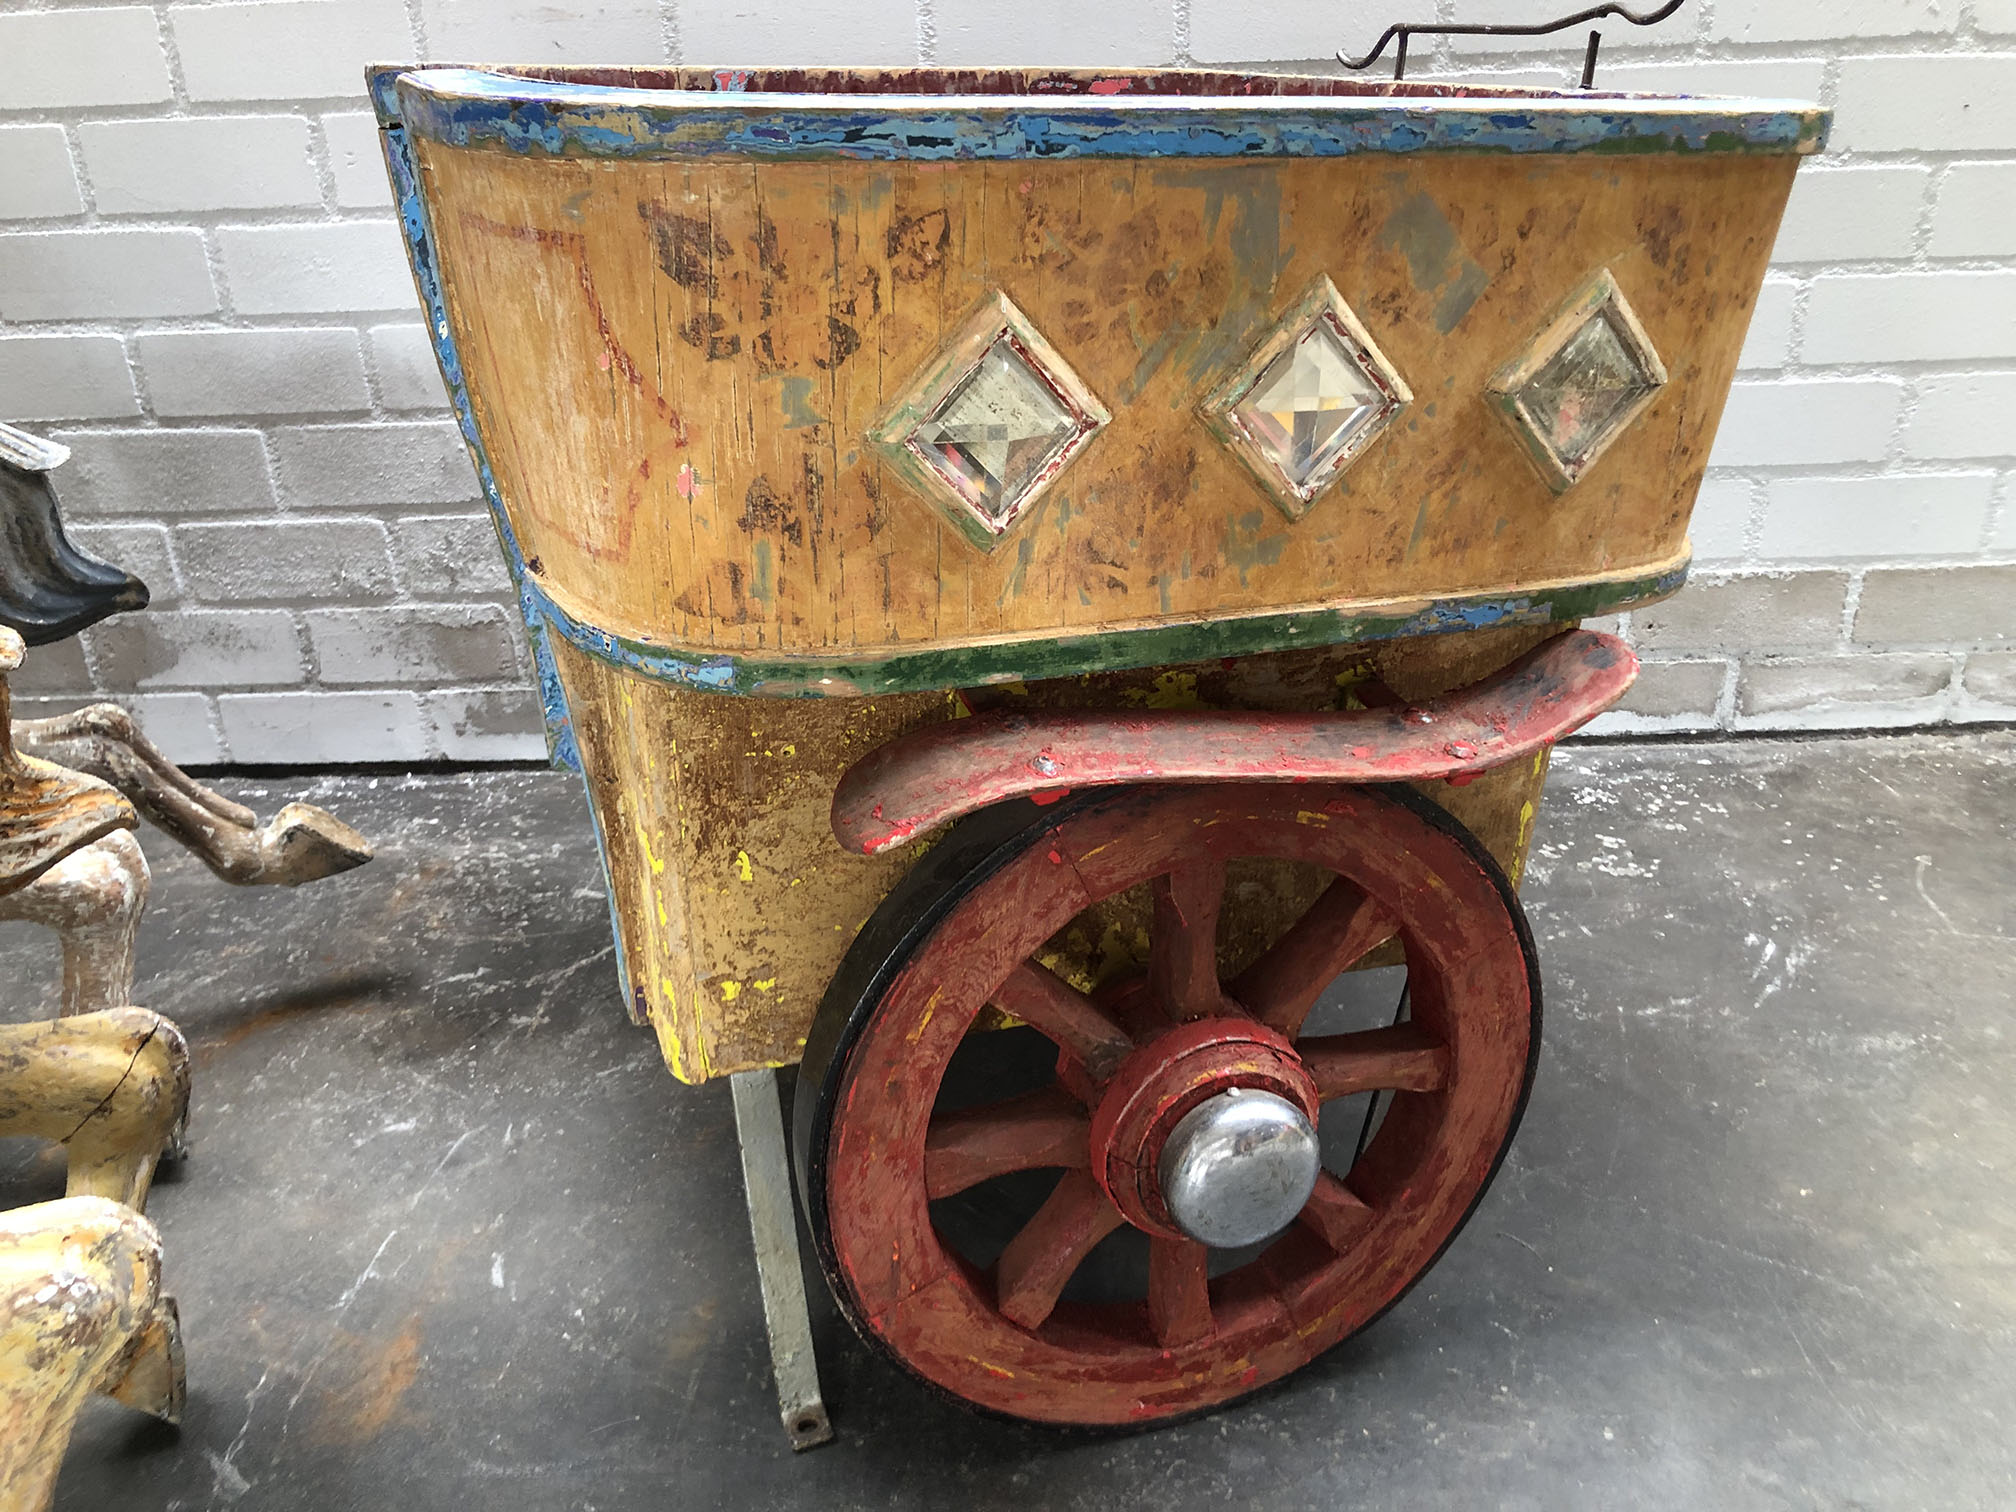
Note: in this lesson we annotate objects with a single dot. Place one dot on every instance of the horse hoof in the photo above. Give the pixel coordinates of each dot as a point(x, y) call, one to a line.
point(303, 843)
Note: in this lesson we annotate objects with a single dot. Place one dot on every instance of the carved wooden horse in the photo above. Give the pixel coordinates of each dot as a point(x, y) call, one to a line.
point(112, 1087)
point(81, 1311)
point(110, 1080)
point(50, 590)
point(68, 860)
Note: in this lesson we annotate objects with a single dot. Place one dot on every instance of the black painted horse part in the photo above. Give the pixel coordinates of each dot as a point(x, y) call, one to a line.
point(49, 590)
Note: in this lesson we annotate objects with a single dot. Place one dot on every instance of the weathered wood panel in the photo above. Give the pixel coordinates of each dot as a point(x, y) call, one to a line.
point(676, 365)
point(734, 902)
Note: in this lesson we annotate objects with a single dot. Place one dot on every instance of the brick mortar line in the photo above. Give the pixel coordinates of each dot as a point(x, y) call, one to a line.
point(669, 31)
point(118, 222)
point(416, 29)
point(1774, 569)
point(212, 325)
point(1999, 505)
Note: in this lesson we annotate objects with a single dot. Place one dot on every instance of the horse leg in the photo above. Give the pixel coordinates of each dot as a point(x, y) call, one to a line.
point(92, 898)
point(302, 843)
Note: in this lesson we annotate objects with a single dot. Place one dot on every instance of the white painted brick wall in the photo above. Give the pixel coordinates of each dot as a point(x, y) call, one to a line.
point(312, 371)
point(523, 29)
point(203, 292)
point(1828, 20)
point(293, 270)
point(173, 167)
point(1808, 421)
point(63, 59)
point(1945, 316)
point(292, 50)
point(83, 377)
point(94, 275)
point(40, 181)
point(1930, 103)
point(981, 32)
point(356, 160)
point(1976, 213)
point(1849, 214)
point(817, 32)
point(408, 376)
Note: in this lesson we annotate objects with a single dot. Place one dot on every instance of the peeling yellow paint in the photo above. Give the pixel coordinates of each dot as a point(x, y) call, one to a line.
point(924, 1019)
point(1170, 690)
point(668, 1034)
point(1311, 816)
point(1350, 680)
point(703, 907)
point(1519, 845)
point(644, 842)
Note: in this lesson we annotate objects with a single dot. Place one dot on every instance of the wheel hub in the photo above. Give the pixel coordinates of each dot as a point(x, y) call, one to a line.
point(1238, 1167)
point(1208, 1132)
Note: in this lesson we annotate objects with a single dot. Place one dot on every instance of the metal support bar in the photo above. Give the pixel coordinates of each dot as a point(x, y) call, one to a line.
point(1399, 33)
point(766, 1178)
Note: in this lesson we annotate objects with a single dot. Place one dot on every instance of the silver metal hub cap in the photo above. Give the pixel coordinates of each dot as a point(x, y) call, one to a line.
point(1238, 1167)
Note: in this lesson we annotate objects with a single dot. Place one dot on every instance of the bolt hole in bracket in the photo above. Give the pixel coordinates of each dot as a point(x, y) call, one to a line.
point(1398, 34)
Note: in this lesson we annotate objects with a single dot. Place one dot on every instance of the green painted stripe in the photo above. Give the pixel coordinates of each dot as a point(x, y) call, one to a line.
point(935, 669)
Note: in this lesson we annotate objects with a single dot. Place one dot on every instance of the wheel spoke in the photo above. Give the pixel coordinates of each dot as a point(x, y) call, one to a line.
point(1339, 929)
point(1041, 1128)
point(1053, 1007)
point(1183, 941)
point(1399, 1058)
point(1179, 1294)
point(1040, 1259)
point(1335, 1214)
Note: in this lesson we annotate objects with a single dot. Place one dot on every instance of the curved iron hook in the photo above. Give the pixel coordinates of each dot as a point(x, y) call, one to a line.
point(1402, 30)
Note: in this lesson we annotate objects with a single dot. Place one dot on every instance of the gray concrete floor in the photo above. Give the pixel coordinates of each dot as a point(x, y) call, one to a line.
point(450, 1237)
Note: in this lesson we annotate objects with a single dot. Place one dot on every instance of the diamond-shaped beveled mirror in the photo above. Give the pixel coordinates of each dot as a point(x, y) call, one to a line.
point(991, 424)
point(1308, 401)
point(1579, 383)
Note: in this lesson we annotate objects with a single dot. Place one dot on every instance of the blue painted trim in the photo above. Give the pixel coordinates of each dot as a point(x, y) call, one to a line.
point(467, 107)
point(560, 746)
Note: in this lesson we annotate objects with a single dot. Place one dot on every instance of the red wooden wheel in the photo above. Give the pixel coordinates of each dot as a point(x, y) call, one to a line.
point(1002, 1332)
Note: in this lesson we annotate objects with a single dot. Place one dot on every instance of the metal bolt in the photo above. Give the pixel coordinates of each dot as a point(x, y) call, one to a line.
point(1238, 1167)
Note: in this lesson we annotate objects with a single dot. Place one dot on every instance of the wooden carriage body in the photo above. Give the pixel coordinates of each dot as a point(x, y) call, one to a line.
point(707, 333)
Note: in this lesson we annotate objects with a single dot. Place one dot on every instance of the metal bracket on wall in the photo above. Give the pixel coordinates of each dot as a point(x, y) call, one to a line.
point(766, 1179)
point(1401, 31)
